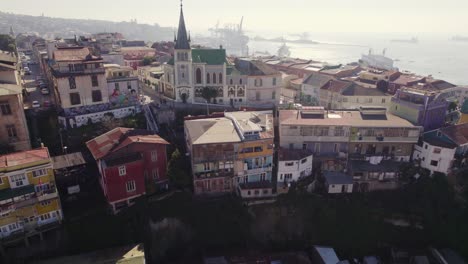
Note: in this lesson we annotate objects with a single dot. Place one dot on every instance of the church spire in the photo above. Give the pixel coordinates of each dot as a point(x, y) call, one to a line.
point(182, 41)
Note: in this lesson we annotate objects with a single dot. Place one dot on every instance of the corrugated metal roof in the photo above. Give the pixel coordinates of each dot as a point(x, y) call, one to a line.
point(121, 137)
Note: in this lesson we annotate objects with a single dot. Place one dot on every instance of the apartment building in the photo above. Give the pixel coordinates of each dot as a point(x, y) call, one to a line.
point(29, 201)
point(81, 87)
point(122, 84)
point(231, 152)
point(365, 142)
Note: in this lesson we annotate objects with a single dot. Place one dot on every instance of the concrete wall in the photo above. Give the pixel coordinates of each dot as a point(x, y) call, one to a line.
point(84, 88)
point(338, 188)
point(298, 168)
point(428, 153)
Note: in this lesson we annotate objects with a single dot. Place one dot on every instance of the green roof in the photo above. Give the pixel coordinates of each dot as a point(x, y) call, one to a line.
point(209, 56)
point(9, 193)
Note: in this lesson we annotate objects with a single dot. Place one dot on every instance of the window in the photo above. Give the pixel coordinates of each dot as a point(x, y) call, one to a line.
point(291, 145)
point(131, 186)
point(11, 130)
point(425, 146)
point(289, 164)
point(1, 181)
point(303, 161)
point(129, 85)
point(437, 150)
point(39, 172)
point(198, 76)
point(42, 187)
point(288, 176)
point(207, 78)
point(263, 176)
point(94, 81)
point(336, 147)
point(155, 174)
point(45, 203)
point(206, 166)
point(317, 147)
point(154, 156)
point(220, 78)
point(434, 163)
point(257, 96)
point(383, 100)
point(258, 149)
point(75, 99)
point(258, 82)
point(240, 81)
point(274, 81)
point(304, 146)
point(72, 82)
point(214, 77)
point(117, 86)
point(97, 96)
point(18, 180)
point(230, 81)
point(5, 108)
point(122, 170)
point(273, 95)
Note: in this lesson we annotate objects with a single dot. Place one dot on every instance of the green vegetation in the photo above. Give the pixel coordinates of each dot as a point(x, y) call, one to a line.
point(209, 93)
point(7, 43)
point(356, 224)
point(148, 60)
point(178, 168)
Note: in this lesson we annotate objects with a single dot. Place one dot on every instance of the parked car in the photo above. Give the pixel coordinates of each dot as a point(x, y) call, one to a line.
point(45, 91)
point(36, 104)
point(27, 71)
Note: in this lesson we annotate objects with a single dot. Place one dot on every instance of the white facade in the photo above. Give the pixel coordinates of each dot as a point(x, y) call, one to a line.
point(339, 188)
point(333, 100)
point(434, 158)
point(264, 89)
point(83, 90)
point(293, 170)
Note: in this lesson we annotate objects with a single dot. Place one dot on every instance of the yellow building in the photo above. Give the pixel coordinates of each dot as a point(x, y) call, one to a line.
point(464, 113)
point(29, 200)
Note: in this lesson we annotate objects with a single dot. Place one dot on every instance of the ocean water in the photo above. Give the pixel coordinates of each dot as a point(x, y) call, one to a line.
point(435, 55)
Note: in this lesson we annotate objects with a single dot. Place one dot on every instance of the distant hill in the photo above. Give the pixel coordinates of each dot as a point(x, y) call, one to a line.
point(63, 27)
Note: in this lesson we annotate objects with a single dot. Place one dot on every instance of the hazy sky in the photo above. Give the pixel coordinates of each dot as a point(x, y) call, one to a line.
point(415, 16)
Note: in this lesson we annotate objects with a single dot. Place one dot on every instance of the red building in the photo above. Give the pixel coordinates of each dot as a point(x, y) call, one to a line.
point(132, 162)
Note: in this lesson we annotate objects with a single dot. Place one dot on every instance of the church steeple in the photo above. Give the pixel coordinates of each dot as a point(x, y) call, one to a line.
point(182, 41)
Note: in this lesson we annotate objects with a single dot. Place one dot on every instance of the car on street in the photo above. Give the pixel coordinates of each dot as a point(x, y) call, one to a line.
point(45, 91)
point(36, 104)
point(27, 71)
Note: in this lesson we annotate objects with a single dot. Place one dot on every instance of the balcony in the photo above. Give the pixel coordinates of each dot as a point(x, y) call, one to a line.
point(47, 195)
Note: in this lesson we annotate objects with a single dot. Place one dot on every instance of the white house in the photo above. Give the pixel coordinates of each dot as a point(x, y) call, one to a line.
point(337, 182)
point(310, 90)
point(293, 165)
point(439, 147)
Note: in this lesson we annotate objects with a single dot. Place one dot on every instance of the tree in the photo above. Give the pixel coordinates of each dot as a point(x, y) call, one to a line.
point(178, 170)
point(148, 60)
point(6, 148)
point(209, 93)
point(7, 43)
point(452, 106)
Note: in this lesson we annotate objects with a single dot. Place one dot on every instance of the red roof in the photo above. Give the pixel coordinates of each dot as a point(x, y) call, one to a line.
point(121, 137)
point(24, 157)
